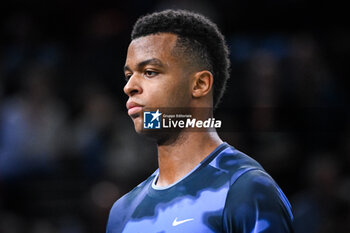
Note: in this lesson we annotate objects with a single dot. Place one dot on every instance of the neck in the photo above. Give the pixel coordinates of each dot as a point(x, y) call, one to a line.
point(182, 155)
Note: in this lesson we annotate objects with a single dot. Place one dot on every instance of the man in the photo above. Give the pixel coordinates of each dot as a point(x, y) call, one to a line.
point(180, 59)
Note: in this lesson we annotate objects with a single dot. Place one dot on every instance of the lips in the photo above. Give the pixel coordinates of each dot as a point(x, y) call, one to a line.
point(133, 108)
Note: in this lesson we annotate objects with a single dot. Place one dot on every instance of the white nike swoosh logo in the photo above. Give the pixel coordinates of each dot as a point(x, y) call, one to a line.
point(175, 223)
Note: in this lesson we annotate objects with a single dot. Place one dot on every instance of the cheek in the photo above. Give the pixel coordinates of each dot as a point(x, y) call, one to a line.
point(182, 92)
point(181, 97)
point(177, 96)
point(168, 93)
point(163, 96)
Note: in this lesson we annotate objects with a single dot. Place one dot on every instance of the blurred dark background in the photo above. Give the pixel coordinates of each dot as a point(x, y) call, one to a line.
point(68, 149)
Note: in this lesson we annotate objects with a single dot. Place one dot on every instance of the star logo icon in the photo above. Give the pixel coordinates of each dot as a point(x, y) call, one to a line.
point(151, 120)
point(156, 115)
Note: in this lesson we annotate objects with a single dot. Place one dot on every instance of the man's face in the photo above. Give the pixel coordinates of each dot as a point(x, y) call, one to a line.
point(156, 78)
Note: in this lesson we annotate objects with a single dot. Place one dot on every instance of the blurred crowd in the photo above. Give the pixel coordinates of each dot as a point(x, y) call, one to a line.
point(68, 149)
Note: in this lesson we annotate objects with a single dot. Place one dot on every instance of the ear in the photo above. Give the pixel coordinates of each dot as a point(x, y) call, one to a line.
point(202, 83)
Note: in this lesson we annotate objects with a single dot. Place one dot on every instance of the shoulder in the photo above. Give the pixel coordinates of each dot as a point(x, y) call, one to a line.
point(248, 179)
point(259, 186)
point(139, 190)
point(255, 201)
point(122, 208)
point(234, 162)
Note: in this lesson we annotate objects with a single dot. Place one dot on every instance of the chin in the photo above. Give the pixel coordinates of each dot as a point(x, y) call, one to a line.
point(138, 125)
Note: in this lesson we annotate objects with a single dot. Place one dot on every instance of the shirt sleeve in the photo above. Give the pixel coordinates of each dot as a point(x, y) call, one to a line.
point(255, 204)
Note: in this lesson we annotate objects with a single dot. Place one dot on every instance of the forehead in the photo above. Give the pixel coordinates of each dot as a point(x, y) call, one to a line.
point(152, 46)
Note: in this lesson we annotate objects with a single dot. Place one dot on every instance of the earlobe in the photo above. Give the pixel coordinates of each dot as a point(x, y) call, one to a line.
point(203, 82)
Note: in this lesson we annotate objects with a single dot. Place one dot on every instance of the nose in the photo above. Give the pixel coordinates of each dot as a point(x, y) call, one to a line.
point(132, 87)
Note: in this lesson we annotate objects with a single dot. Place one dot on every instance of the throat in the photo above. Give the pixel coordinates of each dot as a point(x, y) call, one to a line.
point(180, 158)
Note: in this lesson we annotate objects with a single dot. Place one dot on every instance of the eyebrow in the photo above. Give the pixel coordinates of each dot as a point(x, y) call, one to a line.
point(152, 61)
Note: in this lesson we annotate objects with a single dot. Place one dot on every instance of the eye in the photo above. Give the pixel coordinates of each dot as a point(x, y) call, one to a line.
point(151, 73)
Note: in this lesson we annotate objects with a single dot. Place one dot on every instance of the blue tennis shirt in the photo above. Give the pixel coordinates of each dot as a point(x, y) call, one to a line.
point(227, 192)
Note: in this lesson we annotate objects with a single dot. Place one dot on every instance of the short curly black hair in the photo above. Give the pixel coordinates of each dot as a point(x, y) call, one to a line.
point(199, 39)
